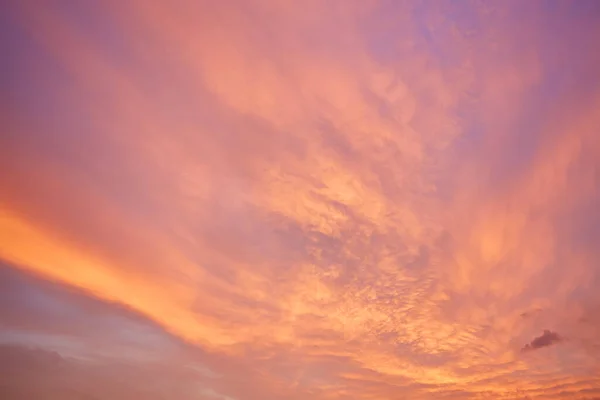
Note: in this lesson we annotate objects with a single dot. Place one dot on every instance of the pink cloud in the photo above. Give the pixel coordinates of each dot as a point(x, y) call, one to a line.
point(324, 200)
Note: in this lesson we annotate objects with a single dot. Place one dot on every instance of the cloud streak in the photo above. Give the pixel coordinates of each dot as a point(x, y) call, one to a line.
point(335, 200)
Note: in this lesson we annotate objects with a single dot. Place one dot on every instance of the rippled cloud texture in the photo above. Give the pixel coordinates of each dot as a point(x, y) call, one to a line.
point(256, 199)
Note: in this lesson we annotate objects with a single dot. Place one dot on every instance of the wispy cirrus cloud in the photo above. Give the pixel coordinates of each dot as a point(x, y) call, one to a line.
point(340, 199)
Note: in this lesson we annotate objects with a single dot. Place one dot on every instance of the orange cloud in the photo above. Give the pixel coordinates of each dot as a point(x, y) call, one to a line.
point(351, 200)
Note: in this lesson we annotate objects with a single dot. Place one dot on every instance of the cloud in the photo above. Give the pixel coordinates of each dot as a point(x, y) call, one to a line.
point(74, 345)
point(318, 201)
point(548, 338)
point(37, 373)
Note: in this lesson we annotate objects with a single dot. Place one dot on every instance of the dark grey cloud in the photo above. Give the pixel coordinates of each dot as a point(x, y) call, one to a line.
point(548, 338)
point(33, 310)
point(35, 373)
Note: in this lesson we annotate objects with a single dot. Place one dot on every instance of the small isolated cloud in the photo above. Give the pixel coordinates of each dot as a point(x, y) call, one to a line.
point(548, 338)
point(531, 313)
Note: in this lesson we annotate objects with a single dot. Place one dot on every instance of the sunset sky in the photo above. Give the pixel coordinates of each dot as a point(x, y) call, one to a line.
point(303, 200)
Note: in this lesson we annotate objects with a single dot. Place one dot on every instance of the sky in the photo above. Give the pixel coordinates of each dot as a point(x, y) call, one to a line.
point(319, 199)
